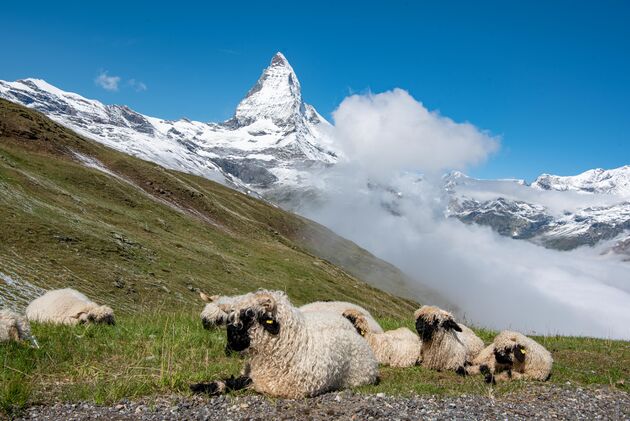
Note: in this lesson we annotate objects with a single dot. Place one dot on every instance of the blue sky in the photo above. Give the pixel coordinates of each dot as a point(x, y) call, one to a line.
point(551, 78)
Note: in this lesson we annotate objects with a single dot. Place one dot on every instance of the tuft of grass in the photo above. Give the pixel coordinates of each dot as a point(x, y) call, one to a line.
point(156, 353)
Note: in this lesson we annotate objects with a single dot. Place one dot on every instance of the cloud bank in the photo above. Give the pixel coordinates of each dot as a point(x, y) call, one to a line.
point(496, 282)
point(392, 132)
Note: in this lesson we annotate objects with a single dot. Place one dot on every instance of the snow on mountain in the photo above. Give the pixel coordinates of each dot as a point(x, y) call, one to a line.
point(558, 218)
point(274, 139)
point(277, 146)
point(615, 181)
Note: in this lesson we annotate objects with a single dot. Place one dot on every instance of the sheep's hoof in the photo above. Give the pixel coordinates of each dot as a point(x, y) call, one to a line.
point(212, 388)
point(461, 371)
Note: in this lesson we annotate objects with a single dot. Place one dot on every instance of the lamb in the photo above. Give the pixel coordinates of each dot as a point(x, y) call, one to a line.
point(444, 343)
point(14, 327)
point(69, 307)
point(397, 348)
point(292, 354)
point(338, 307)
point(513, 355)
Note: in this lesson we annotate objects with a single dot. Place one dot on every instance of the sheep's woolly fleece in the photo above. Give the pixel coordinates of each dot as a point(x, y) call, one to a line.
point(68, 306)
point(442, 348)
point(14, 327)
point(513, 355)
point(309, 355)
point(212, 314)
point(397, 348)
point(338, 307)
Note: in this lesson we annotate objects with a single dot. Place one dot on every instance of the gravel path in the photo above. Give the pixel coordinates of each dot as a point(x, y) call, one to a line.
point(545, 402)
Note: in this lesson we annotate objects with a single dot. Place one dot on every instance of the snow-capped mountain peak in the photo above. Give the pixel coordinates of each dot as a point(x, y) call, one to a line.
point(615, 181)
point(276, 96)
point(274, 139)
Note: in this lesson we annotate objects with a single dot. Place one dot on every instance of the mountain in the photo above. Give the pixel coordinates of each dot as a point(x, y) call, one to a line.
point(557, 212)
point(136, 235)
point(615, 181)
point(276, 147)
point(273, 140)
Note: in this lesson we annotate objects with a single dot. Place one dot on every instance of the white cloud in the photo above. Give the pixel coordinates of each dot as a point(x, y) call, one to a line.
point(392, 131)
point(137, 85)
point(109, 83)
point(495, 281)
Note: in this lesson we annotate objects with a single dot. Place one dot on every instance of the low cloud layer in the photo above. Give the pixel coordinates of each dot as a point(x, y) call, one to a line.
point(495, 281)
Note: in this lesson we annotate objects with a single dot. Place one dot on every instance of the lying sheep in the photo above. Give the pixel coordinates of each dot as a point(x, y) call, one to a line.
point(513, 355)
point(474, 344)
point(397, 348)
point(212, 316)
point(14, 327)
point(292, 354)
point(442, 347)
point(69, 307)
point(338, 307)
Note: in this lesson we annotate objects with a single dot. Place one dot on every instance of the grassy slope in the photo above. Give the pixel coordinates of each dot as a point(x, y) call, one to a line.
point(144, 237)
point(156, 353)
point(139, 249)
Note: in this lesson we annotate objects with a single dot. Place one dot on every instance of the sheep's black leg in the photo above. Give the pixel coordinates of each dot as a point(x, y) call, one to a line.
point(238, 383)
point(221, 386)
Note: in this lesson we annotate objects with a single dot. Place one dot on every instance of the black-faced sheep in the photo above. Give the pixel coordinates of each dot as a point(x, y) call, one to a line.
point(14, 327)
point(292, 354)
point(338, 307)
point(443, 342)
point(212, 316)
point(397, 348)
point(513, 355)
point(68, 306)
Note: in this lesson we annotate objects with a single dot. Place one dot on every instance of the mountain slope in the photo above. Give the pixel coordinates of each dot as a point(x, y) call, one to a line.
point(135, 235)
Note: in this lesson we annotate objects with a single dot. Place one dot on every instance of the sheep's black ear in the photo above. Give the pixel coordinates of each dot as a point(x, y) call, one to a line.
point(270, 324)
point(450, 324)
point(519, 353)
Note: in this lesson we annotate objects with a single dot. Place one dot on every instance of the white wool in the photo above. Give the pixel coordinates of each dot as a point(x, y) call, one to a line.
point(312, 353)
point(67, 306)
point(338, 307)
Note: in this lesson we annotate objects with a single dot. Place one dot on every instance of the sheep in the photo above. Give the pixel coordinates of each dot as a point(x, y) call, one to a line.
point(473, 343)
point(292, 354)
point(14, 327)
point(338, 307)
point(69, 307)
point(442, 347)
point(397, 348)
point(513, 355)
point(212, 316)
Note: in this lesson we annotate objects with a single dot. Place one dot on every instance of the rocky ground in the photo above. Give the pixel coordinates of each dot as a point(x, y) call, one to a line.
point(544, 402)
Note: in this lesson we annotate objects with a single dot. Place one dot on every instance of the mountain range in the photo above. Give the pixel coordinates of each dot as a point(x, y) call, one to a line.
point(276, 146)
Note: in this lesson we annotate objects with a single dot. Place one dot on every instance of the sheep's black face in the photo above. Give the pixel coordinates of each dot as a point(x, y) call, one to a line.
point(503, 355)
point(426, 329)
point(238, 332)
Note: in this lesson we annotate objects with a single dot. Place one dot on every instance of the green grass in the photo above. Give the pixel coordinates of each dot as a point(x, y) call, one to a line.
point(158, 353)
